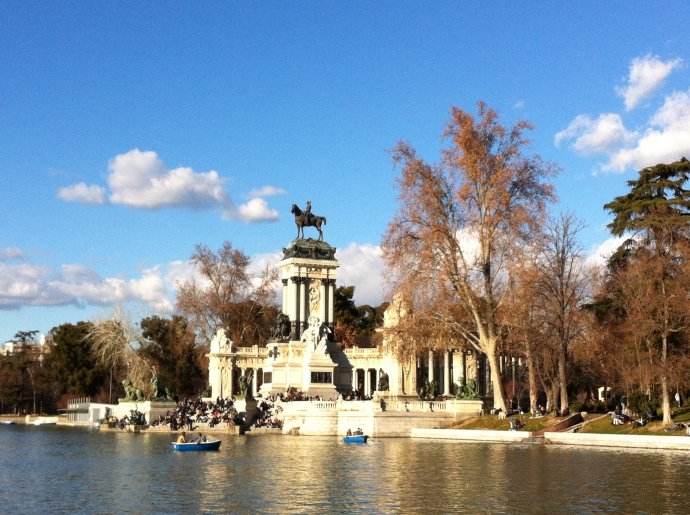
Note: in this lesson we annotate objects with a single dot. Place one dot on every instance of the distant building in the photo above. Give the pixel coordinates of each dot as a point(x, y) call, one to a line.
point(36, 347)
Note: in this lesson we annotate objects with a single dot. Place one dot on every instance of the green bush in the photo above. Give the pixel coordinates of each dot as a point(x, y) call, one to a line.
point(428, 391)
point(642, 405)
point(467, 391)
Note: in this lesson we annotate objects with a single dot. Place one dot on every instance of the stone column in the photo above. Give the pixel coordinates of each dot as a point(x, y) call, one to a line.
point(293, 302)
point(446, 373)
point(230, 378)
point(431, 365)
point(255, 381)
point(367, 382)
point(331, 295)
point(354, 379)
point(284, 306)
point(323, 308)
point(376, 379)
point(303, 302)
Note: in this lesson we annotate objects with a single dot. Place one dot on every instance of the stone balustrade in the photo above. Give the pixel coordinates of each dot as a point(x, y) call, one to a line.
point(363, 352)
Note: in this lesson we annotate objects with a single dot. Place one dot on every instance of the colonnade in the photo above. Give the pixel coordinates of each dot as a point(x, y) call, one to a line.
point(445, 372)
point(296, 301)
point(366, 386)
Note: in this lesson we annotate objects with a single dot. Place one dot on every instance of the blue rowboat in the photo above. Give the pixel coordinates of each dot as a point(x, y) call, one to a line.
point(355, 439)
point(212, 445)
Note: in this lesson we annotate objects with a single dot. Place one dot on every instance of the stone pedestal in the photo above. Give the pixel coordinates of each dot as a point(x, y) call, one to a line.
point(295, 365)
point(221, 361)
point(247, 408)
point(151, 409)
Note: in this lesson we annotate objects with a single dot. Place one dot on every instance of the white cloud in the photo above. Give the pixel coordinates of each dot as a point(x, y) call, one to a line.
point(24, 284)
point(253, 211)
point(595, 135)
point(140, 179)
point(151, 289)
point(667, 138)
point(520, 104)
point(361, 265)
point(11, 253)
point(19, 284)
point(645, 75)
point(83, 193)
point(266, 191)
point(598, 255)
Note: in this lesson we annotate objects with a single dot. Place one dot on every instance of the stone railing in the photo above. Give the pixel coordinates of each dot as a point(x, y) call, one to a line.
point(307, 405)
point(416, 405)
point(357, 352)
point(397, 405)
point(253, 351)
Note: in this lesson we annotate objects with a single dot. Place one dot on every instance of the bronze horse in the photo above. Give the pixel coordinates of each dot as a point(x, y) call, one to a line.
point(303, 220)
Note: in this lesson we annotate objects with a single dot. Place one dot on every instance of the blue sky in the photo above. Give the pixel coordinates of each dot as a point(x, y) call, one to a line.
point(225, 98)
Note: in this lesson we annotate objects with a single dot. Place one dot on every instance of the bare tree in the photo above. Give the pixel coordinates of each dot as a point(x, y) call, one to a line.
point(485, 189)
point(227, 296)
point(562, 287)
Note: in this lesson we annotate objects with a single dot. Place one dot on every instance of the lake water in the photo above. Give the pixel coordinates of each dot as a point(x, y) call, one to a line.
point(56, 470)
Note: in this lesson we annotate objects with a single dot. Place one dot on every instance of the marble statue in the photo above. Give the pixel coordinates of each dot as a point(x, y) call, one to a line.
point(220, 343)
point(314, 296)
point(316, 335)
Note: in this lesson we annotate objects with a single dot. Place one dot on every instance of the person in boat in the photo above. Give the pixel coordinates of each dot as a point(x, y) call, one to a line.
point(349, 432)
point(200, 438)
point(359, 431)
point(182, 438)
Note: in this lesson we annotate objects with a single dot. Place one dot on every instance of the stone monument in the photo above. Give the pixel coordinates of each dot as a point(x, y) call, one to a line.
point(303, 360)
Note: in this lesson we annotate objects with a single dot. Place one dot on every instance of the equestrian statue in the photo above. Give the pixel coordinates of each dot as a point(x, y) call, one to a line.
point(306, 219)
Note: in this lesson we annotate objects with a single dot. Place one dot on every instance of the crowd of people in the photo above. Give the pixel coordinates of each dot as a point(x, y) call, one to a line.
point(267, 412)
point(189, 413)
point(135, 418)
point(293, 394)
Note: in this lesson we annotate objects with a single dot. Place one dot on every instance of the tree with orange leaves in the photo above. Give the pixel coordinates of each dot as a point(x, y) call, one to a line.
point(459, 223)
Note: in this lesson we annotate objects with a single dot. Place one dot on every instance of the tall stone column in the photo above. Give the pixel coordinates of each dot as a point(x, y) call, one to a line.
point(293, 303)
point(367, 382)
point(431, 365)
point(331, 295)
point(284, 305)
point(376, 379)
point(255, 381)
point(303, 296)
point(354, 379)
point(230, 378)
point(446, 373)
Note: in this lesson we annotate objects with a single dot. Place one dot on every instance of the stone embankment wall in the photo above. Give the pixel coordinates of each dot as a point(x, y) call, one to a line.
point(629, 441)
point(473, 435)
point(395, 418)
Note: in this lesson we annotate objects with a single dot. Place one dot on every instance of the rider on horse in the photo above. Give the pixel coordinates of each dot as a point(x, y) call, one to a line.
point(307, 219)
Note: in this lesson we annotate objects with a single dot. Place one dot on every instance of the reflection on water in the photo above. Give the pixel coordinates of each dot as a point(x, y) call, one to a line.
point(62, 470)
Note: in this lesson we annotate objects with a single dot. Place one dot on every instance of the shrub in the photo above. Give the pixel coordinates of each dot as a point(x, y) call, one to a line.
point(642, 405)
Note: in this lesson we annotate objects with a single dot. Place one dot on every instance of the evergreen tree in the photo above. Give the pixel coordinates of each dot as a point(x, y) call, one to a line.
point(657, 210)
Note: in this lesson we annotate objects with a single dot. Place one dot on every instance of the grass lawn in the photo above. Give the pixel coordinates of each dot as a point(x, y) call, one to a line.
point(604, 425)
point(492, 422)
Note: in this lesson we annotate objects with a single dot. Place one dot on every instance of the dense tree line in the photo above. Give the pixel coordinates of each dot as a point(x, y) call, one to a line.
point(481, 267)
point(92, 359)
